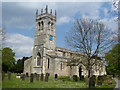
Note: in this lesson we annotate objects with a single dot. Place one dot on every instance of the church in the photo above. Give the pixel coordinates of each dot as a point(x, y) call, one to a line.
point(48, 58)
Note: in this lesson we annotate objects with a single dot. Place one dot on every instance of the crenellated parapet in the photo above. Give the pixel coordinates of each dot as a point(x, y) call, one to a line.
point(45, 14)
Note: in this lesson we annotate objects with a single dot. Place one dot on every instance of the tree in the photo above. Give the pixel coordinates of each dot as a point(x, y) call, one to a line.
point(2, 37)
point(8, 60)
point(90, 38)
point(19, 66)
point(113, 60)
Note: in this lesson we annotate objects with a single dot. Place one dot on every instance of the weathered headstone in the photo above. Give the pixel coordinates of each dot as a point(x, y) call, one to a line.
point(46, 77)
point(75, 78)
point(113, 75)
point(110, 83)
point(23, 77)
point(27, 74)
point(56, 77)
point(37, 77)
point(42, 77)
point(82, 78)
point(31, 78)
point(92, 81)
point(99, 80)
point(3, 75)
point(9, 75)
point(99, 83)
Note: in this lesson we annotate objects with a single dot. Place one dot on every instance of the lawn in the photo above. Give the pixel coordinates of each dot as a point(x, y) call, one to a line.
point(18, 83)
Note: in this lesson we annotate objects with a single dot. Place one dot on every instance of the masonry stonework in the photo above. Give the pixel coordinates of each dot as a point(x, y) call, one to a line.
point(47, 58)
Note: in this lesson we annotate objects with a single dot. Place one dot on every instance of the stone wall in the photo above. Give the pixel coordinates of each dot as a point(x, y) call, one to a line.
point(27, 66)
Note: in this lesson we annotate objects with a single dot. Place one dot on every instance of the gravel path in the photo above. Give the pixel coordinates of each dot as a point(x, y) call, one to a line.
point(117, 85)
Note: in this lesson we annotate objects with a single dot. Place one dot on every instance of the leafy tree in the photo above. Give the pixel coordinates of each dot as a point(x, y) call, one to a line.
point(20, 65)
point(8, 60)
point(113, 60)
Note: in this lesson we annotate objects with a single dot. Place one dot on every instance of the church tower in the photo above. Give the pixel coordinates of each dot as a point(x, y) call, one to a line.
point(44, 39)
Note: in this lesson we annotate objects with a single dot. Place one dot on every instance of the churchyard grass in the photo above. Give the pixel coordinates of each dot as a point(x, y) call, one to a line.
point(19, 83)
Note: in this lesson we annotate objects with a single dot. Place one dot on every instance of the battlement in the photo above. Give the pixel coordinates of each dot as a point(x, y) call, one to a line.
point(44, 13)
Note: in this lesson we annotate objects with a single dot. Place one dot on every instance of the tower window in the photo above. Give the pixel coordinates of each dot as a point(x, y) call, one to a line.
point(38, 25)
point(48, 63)
point(38, 59)
point(52, 26)
point(71, 54)
point(42, 25)
point(63, 53)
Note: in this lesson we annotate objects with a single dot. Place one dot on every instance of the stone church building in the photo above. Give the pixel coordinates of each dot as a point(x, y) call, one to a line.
point(47, 58)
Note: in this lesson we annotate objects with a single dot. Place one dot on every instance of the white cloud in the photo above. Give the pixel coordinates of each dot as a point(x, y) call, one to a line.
point(63, 20)
point(22, 15)
point(21, 45)
point(111, 23)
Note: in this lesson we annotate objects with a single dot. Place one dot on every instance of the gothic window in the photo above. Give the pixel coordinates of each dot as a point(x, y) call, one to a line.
point(42, 25)
point(52, 26)
point(64, 54)
point(38, 25)
point(71, 54)
point(48, 63)
point(48, 25)
point(38, 59)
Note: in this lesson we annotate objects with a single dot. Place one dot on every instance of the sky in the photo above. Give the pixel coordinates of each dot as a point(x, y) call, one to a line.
point(18, 21)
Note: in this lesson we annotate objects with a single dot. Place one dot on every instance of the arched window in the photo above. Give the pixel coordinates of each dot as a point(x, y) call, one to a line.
point(38, 25)
point(38, 59)
point(49, 25)
point(52, 26)
point(42, 25)
point(48, 63)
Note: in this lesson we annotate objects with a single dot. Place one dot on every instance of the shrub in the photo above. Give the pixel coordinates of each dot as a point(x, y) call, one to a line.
point(75, 77)
point(104, 78)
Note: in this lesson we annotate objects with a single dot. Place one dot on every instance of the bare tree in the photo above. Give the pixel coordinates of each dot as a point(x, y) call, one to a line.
point(2, 37)
point(91, 39)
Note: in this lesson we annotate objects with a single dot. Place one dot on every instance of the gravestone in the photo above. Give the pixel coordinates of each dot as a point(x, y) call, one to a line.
point(56, 77)
point(92, 81)
point(9, 75)
point(99, 83)
point(42, 77)
point(82, 78)
point(37, 77)
point(75, 78)
point(3, 75)
point(23, 77)
point(46, 77)
point(99, 80)
point(31, 78)
point(27, 74)
point(110, 83)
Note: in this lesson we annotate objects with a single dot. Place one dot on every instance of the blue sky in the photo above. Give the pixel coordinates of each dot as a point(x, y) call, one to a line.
point(18, 20)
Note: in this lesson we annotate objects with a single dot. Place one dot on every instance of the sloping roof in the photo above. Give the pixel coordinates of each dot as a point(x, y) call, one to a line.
point(64, 50)
point(61, 57)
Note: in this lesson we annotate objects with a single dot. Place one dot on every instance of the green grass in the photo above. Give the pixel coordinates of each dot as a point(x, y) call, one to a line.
point(18, 83)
